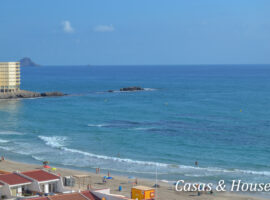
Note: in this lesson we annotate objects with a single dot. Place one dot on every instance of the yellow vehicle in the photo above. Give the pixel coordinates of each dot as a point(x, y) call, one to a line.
point(142, 193)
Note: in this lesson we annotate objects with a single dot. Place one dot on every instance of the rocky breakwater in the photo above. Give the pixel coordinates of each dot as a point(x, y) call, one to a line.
point(28, 94)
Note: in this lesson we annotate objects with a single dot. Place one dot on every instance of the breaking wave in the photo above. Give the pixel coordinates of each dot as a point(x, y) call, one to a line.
point(54, 141)
point(3, 141)
point(97, 125)
point(60, 141)
point(127, 160)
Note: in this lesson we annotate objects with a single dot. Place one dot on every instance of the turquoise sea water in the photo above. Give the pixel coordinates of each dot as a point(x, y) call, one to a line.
point(217, 115)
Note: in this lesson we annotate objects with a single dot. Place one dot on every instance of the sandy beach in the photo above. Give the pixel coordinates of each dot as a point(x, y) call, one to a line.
point(164, 192)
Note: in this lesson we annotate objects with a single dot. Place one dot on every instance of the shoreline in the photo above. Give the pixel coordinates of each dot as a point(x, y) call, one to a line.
point(165, 191)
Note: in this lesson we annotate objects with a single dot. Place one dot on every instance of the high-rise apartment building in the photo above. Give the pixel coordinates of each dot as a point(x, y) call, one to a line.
point(9, 76)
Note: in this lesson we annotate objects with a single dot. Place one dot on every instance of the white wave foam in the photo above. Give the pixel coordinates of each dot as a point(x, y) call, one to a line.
point(97, 125)
point(150, 89)
point(262, 173)
point(141, 128)
point(3, 141)
point(38, 158)
point(6, 148)
point(10, 133)
point(195, 175)
point(59, 142)
point(54, 141)
point(127, 160)
point(220, 170)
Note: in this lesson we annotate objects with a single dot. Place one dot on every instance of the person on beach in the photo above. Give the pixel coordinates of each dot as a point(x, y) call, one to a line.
point(104, 180)
point(196, 163)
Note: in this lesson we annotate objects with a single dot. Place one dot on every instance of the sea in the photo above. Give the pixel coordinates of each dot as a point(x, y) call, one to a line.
point(217, 115)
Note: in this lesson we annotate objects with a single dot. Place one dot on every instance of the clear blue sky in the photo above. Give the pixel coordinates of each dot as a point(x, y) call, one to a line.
point(112, 32)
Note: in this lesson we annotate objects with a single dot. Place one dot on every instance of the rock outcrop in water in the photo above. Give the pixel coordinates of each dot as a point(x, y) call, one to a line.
point(29, 94)
point(129, 89)
point(134, 88)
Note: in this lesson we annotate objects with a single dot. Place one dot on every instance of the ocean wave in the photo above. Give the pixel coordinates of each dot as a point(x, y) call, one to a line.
point(97, 125)
point(54, 141)
point(150, 89)
point(226, 171)
point(38, 158)
point(6, 148)
point(116, 124)
point(126, 160)
point(4, 141)
point(141, 128)
point(59, 142)
point(262, 173)
point(195, 175)
point(10, 133)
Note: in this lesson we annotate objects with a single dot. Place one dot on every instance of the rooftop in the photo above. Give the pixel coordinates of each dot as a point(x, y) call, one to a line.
point(139, 187)
point(85, 195)
point(13, 179)
point(40, 175)
point(89, 195)
point(4, 172)
point(39, 198)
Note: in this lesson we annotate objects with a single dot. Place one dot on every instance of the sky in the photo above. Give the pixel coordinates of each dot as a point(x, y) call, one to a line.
point(135, 32)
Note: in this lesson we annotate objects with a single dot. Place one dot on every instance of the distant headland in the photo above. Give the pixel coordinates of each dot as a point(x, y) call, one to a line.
point(27, 62)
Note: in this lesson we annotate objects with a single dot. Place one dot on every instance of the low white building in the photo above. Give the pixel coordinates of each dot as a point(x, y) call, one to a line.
point(13, 185)
point(18, 184)
point(44, 182)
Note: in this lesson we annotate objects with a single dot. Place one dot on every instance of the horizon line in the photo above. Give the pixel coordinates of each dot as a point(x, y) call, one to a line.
point(97, 65)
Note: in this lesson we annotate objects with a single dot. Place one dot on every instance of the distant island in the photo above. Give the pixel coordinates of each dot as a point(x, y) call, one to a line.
point(27, 62)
